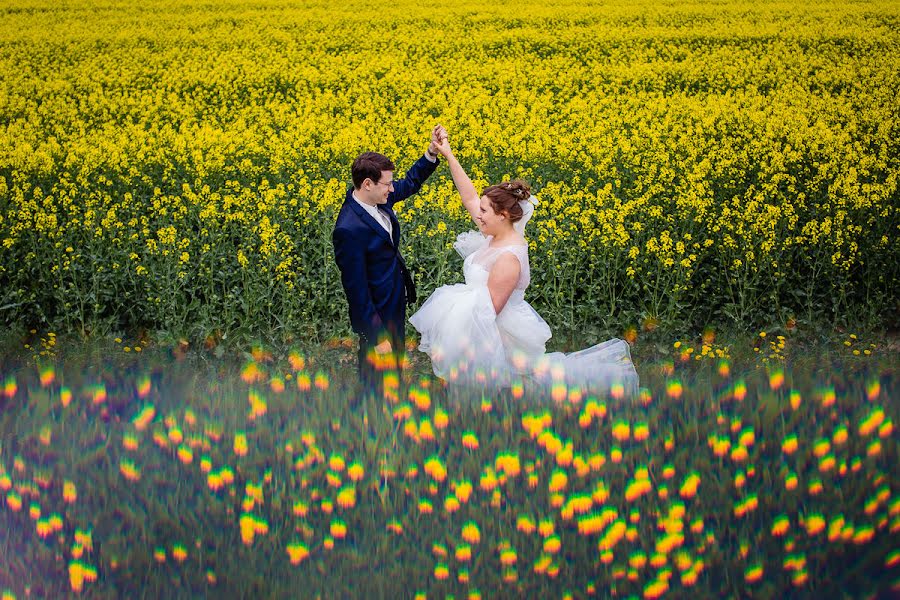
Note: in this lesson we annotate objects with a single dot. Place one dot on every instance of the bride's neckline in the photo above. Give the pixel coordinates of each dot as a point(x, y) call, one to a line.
point(525, 245)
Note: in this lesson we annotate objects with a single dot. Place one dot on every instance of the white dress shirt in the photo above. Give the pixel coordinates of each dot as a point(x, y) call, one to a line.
point(379, 216)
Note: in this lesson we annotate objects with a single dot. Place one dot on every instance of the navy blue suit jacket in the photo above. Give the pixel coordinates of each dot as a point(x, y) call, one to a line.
point(371, 271)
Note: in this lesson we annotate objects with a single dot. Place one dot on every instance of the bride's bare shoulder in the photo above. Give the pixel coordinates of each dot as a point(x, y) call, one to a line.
point(508, 264)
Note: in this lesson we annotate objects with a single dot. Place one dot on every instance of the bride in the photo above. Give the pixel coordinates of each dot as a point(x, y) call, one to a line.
point(483, 332)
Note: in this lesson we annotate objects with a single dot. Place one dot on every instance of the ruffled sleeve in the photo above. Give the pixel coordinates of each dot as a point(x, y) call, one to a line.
point(468, 242)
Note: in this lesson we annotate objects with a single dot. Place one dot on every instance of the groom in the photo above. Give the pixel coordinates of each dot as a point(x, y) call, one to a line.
point(366, 240)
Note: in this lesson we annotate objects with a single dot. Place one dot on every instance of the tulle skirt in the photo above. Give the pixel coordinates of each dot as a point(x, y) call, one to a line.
point(469, 343)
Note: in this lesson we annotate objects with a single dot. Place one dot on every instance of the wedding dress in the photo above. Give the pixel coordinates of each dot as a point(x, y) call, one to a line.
point(469, 343)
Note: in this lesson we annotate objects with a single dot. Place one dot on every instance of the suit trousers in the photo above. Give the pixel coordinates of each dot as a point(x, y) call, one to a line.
point(372, 367)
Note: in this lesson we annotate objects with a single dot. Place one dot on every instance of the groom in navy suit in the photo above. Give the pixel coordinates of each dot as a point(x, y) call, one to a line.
point(366, 240)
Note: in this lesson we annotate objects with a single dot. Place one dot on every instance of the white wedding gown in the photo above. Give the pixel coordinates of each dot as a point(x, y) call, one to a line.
point(470, 344)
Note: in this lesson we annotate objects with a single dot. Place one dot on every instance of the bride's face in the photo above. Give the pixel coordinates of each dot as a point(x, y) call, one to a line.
point(489, 221)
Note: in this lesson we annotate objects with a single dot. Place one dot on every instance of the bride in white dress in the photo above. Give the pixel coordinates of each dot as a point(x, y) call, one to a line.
point(483, 332)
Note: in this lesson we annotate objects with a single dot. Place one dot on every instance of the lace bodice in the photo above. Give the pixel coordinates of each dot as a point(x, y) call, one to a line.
point(480, 258)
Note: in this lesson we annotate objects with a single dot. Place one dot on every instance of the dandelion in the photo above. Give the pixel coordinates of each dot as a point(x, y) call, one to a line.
point(420, 398)
point(175, 435)
point(790, 444)
point(346, 497)
point(525, 524)
point(304, 382)
point(636, 489)
point(326, 506)
point(689, 486)
point(258, 405)
point(873, 448)
point(814, 524)
point(753, 574)
point(441, 419)
point(508, 557)
point(451, 504)
point(185, 454)
point(641, 432)
point(615, 455)
point(336, 463)
point(332, 479)
point(558, 481)
point(780, 525)
point(508, 464)
point(463, 490)
point(338, 529)
point(144, 417)
point(552, 544)
point(98, 394)
point(65, 396)
point(776, 379)
point(488, 480)
point(70, 494)
point(790, 481)
point(739, 454)
point(179, 552)
point(815, 486)
point(827, 463)
point(821, 447)
point(129, 470)
point(395, 527)
point(471, 533)
point(674, 389)
point(76, 576)
point(463, 553)
point(426, 431)
point(863, 535)
point(435, 468)
point(248, 528)
point(240, 443)
point(277, 385)
point(355, 472)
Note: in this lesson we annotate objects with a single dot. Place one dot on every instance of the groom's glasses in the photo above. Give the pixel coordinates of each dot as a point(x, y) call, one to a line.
point(387, 183)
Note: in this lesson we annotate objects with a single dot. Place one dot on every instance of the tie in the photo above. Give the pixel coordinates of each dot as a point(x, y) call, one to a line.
point(385, 221)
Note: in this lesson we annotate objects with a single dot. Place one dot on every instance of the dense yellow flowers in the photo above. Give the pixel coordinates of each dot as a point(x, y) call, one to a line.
point(188, 168)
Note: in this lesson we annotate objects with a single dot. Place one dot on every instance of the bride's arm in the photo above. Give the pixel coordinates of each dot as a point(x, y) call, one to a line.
point(467, 192)
point(503, 279)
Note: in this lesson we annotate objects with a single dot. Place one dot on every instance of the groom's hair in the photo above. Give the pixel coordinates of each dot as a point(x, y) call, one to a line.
point(370, 165)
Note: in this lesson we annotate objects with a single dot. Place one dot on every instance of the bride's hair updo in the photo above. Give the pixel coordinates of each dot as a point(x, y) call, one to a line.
point(505, 197)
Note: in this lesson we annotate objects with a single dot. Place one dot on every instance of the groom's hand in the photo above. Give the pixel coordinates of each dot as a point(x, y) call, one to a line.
point(435, 141)
point(384, 347)
point(441, 141)
point(438, 135)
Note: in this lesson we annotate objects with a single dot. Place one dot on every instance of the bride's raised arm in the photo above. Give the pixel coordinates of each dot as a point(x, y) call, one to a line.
point(464, 186)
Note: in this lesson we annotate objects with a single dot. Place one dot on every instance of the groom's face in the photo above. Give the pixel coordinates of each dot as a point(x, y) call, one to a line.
point(377, 192)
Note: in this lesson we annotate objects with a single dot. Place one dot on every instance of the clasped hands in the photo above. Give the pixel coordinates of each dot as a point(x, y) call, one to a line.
point(439, 141)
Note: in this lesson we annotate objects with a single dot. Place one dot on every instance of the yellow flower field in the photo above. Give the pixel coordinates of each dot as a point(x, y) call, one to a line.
point(178, 166)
